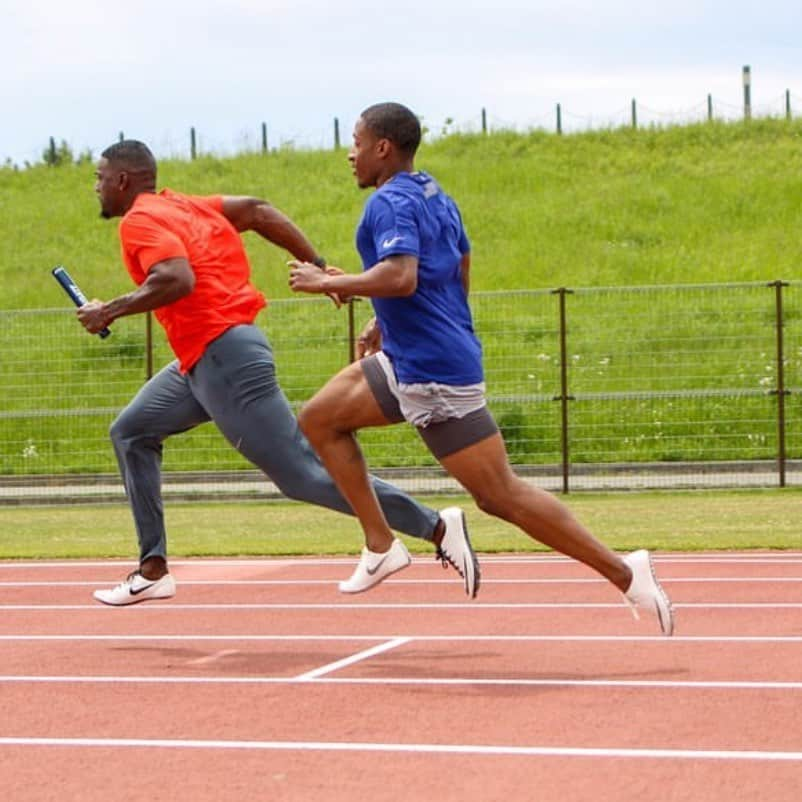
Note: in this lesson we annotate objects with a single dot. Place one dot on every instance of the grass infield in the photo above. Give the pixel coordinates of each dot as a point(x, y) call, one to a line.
point(667, 521)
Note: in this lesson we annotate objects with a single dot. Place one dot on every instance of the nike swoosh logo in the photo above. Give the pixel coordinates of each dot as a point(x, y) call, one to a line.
point(139, 590)
point(372, 571)
point(388, 243)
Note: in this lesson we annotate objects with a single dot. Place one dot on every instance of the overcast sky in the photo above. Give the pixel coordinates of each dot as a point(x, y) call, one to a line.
point(84, 70)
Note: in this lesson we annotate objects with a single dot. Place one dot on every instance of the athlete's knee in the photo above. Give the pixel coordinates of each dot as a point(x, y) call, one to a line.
point(127, 434)
point(314, 421)
point(123, 428)
point(489, 503)
point(499, 498)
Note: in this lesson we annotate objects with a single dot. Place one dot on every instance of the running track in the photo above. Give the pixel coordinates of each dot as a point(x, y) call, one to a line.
point(260, 682)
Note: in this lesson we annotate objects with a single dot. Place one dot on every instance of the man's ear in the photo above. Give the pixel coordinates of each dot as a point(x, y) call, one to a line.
point(123, 180)
point(383, 147)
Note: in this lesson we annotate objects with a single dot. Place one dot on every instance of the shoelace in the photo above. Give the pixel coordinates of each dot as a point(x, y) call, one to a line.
point(128, 580)
point(446, 560)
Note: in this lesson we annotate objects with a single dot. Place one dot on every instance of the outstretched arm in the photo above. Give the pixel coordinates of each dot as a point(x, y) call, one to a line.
point(393, 277)
point(253, 214)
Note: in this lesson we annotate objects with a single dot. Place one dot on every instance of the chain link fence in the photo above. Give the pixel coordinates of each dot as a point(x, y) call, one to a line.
point(625, 387)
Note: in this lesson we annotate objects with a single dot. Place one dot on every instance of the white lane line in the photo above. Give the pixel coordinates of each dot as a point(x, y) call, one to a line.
point(782, 558)
point(354, 658)
point(177, 606)
point(212, 658)
point(485, 581)
point(557, 682)
point(428, 749)
point(156, 638)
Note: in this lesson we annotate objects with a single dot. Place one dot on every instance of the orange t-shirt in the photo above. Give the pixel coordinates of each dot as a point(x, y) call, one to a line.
point(170, 225)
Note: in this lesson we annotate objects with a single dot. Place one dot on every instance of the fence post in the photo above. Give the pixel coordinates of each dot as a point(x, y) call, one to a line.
point(564, 397)
point(484, 120)
point(709, 108)
point(559, 119)
point(634, 114)
point(780, 390)
point(788, 105)
point(148, 345)
point(264, 137)
point(747, 77)
point(351, 332)
point(193, 149)
point(351, 343)
point(336, 134)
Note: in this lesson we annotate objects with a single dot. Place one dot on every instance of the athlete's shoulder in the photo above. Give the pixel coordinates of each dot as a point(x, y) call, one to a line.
point(151, 211)
point(170, 199)
point(417, 183)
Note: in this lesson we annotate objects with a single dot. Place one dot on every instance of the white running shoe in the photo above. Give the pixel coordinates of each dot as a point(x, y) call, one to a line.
point(136, 588)
point(645, 591)
point(374, 567)
point(455, 548)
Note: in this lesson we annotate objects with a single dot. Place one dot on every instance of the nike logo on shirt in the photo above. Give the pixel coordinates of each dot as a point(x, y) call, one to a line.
point(388, 243)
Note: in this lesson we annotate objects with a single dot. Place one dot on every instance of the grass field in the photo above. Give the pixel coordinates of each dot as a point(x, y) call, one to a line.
point(710, 202)
point(691, 205)
point(665, 521)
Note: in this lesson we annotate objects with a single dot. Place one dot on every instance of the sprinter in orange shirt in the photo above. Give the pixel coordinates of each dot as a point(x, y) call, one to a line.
point(186, 256)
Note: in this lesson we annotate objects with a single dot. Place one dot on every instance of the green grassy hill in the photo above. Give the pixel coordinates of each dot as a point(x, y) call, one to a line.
point(711, 202)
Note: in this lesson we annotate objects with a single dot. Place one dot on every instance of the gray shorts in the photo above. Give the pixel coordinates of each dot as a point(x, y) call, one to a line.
point(449, 418)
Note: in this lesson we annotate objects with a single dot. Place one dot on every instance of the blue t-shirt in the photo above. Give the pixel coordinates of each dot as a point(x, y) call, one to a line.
point(429, 335)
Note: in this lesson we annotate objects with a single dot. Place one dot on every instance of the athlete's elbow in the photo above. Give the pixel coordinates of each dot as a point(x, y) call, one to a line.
point(186, 284)
point(407, 286)
point(181, 286)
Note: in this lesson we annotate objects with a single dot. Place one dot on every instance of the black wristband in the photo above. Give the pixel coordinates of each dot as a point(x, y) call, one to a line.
point(319, 261)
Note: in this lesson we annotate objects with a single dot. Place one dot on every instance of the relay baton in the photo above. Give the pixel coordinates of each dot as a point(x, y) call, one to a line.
point(74, 291)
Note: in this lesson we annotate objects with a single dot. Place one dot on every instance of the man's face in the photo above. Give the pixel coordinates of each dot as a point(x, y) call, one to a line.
point(364, 155)
point(108, 189)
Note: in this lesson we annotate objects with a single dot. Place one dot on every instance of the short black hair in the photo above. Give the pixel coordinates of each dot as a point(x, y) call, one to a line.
point(394, 122)
point(132, 155)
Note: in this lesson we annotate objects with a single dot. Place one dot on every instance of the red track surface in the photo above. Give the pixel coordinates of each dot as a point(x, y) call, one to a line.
point(260, 682)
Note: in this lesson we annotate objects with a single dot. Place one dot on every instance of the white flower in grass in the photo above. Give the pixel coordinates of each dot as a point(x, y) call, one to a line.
point(30, 451)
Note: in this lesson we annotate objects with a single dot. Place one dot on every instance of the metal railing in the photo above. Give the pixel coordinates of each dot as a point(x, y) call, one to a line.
point(654, 386)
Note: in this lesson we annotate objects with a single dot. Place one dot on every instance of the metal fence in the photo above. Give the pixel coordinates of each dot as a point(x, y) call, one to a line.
point(624, 387)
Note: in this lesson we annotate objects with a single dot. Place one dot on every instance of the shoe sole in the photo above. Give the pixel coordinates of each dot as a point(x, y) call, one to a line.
point(133, 601)
point(477, 572)
point(377, 582)
point(462, 571)
point(666, 625)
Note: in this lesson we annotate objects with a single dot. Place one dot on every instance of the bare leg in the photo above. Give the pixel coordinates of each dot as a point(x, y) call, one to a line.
point(484, 471)
point(329, 420)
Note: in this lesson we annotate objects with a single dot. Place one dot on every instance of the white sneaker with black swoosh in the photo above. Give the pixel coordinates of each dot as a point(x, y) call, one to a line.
point(137, 588)
point(374, 567)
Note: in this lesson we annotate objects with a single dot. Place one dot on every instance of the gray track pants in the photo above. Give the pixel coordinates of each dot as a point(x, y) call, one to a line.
point(234, 385)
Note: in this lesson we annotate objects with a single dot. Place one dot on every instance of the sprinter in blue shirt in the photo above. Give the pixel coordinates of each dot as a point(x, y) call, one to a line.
point(422, 362)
